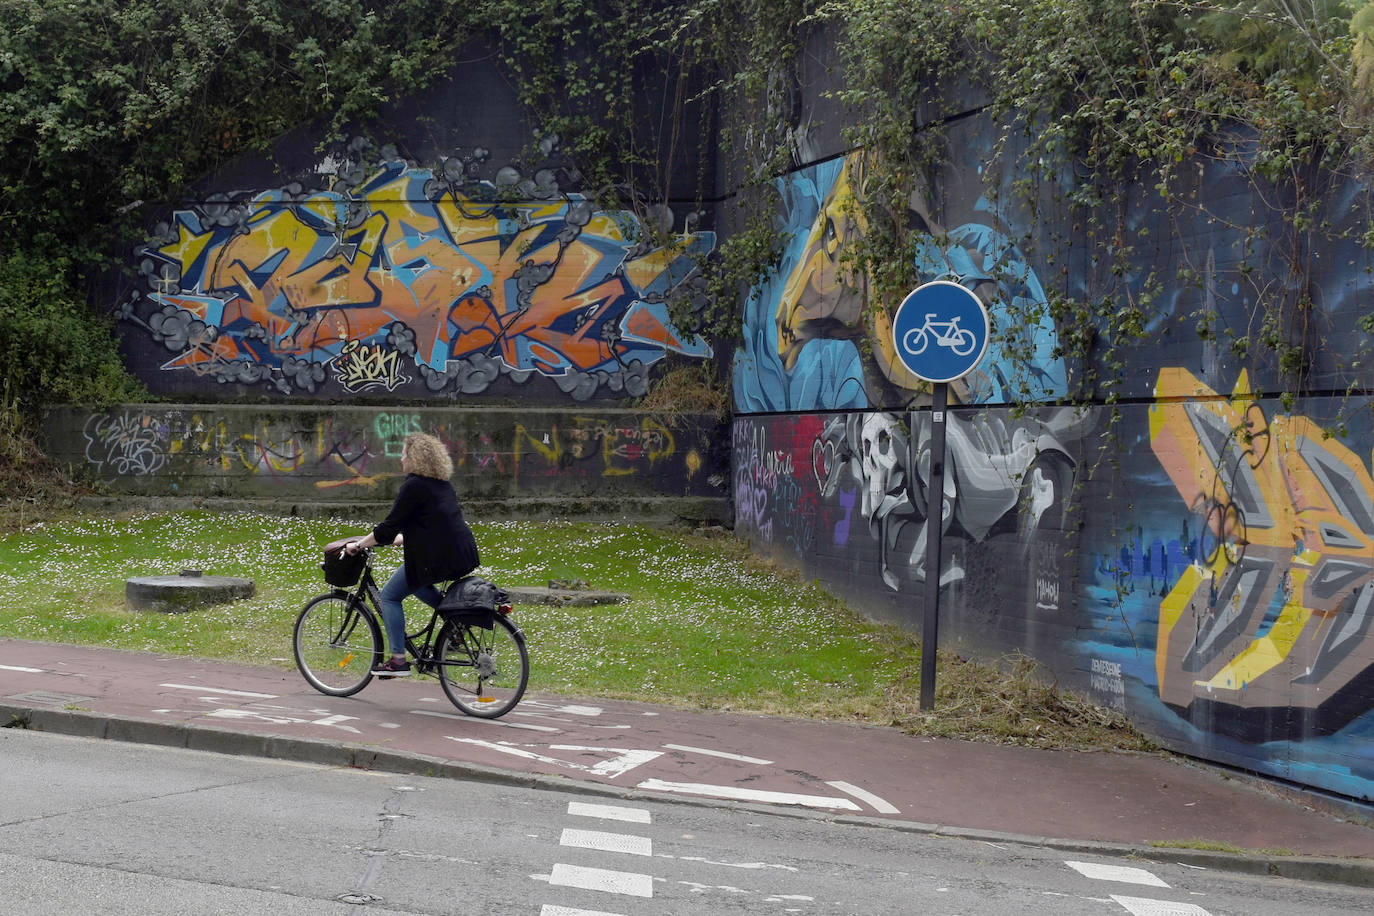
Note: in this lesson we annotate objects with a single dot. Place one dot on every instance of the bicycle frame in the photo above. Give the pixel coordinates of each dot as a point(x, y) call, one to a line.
point(420, 643)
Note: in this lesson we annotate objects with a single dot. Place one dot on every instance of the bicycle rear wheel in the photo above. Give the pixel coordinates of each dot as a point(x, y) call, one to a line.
point(484, 672)
point(337, 641)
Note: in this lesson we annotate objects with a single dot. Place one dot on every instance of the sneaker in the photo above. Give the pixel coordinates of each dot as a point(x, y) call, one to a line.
point(392, 668)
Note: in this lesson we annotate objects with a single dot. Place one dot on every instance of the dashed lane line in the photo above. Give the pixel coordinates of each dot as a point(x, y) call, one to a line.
point(221, 691)
point(754, 795)
point(723, 754)
point(448, 715)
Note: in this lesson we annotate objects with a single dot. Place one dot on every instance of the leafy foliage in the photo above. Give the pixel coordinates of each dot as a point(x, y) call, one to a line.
point(51, 348)
point(108, 104)
point(1120, 94)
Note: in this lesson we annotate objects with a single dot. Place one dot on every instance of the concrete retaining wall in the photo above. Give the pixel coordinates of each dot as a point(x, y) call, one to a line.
point(507, 462)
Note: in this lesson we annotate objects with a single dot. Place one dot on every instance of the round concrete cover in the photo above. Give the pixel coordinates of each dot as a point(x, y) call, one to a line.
point(178, 594)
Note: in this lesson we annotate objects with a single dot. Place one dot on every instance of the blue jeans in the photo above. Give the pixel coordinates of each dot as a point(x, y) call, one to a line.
point(393, 615)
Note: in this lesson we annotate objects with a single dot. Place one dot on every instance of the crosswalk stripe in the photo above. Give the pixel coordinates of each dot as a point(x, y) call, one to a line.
point(602, 879)
point(1143, 906)
point(550, 909)
point(606, 842)
point(609, 812)
point(1123, 873)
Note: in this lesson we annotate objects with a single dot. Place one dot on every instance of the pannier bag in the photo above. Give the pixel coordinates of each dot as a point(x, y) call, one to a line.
point(472, 600)
point(342, 570)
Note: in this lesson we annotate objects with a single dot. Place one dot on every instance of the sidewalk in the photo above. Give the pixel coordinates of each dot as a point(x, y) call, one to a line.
point(1110, 803)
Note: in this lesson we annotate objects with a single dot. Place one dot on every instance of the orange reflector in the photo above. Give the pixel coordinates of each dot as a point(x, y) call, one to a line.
point(347, 660)
point(486, 699)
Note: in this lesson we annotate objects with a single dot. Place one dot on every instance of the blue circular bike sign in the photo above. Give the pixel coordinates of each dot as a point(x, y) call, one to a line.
point(940, 331)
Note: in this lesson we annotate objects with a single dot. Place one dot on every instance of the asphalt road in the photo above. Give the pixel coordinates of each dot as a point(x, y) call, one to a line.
point(110, 827)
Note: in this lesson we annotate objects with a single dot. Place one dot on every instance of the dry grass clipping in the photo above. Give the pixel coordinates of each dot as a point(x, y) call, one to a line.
point(1010, 703)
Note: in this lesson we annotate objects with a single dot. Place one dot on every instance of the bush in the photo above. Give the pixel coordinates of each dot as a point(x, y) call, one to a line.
point(53, 348)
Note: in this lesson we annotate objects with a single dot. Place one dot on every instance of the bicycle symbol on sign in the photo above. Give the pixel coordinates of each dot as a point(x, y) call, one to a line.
point(947, 334)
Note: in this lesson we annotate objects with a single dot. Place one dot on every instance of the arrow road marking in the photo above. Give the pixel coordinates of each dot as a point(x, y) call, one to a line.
point(623, 761)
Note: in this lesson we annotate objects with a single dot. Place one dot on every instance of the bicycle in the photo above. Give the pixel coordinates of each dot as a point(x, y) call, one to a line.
point(477, 653)
point(946, 334)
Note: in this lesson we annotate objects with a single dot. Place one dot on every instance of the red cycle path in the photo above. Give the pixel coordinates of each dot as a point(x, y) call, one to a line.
point(839, 769)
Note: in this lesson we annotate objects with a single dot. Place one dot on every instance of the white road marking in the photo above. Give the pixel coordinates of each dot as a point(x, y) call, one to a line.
point(1123, 873)
point(20, 669)
point(624, 760)
point(749, 865)
point(550, 910)
point(627, 760)
point(606, 842)
point(602, 879)
point(880, 805)
point(1144, 906)
point(246, 714)
point(573, 710)
point(609, 812)
point(758, 795)
point(223, 692)
point(710, 753)
point(461, 718)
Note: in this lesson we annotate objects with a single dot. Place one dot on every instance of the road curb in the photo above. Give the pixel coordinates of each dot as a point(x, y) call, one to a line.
point(85, 724)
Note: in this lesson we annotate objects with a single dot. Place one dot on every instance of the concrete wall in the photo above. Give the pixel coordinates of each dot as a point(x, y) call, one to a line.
point(508, 463)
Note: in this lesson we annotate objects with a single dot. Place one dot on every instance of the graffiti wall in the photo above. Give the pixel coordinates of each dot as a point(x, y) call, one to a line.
point(386, 279)
point(1198, 553)
point(352, 455)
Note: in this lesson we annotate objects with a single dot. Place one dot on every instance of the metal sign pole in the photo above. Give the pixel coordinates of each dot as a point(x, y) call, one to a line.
point(939, 333)
point(935, 503)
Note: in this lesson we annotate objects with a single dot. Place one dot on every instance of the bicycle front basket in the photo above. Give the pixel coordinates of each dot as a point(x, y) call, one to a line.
point(342, 570)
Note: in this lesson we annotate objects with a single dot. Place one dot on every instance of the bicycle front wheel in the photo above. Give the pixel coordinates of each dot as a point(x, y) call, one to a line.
point(484, 672)
point(337, 641)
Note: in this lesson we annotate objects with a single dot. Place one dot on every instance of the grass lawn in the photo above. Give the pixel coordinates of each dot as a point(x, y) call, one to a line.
point(707, 625)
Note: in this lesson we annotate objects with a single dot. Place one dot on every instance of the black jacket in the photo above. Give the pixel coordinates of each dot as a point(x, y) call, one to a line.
point(438, 543)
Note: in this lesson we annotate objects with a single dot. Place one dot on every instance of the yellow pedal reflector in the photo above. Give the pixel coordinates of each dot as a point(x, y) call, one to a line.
point(486, 699)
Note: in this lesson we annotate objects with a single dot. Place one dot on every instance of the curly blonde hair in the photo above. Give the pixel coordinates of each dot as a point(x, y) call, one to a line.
point(427, 456)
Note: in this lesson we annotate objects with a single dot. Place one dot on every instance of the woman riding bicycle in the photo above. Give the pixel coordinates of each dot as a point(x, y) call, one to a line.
point(438, 543)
